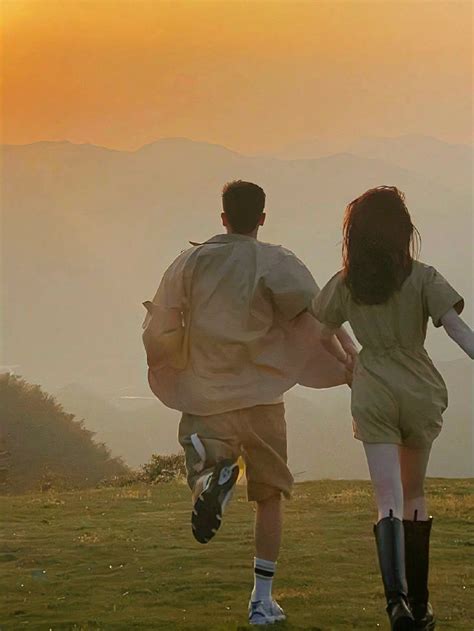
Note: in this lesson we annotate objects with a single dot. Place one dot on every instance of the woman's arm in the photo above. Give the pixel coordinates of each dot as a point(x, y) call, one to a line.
point(340, 344)
point(346, 342)
point(459, 331)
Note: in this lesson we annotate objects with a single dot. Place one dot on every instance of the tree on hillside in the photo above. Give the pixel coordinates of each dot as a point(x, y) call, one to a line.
point(44, 446)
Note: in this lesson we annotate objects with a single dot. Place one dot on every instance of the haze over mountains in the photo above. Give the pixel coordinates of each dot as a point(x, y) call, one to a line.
point(437, 160)
point(88, 232)
point(319, 428)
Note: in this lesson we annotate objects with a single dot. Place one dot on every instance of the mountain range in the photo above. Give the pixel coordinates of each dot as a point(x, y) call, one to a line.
point(88, 232)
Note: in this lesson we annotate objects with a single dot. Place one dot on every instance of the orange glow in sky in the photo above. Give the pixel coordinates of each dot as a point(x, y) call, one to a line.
point(252, 75)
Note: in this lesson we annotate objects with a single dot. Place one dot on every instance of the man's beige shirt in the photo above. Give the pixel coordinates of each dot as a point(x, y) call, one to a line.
point(228, 328)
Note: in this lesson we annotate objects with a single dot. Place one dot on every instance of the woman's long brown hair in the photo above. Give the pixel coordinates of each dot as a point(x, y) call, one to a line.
point(380, 243)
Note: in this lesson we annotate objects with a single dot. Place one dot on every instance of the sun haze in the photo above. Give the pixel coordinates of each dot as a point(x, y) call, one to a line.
point(250, 75)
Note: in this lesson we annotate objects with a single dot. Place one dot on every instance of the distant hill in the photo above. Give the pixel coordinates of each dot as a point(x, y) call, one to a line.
point(132, 430)
point(438, 161)
point(42, 445)
point(449, 164)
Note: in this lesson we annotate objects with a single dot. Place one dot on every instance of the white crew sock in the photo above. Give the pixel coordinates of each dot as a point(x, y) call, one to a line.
point(264, 572)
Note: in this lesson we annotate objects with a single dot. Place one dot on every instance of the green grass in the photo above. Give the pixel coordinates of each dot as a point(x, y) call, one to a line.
point(125, 559)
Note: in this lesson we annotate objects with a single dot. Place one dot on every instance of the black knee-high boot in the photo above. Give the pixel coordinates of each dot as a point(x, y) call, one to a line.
point(391, 551)
point(417, 553)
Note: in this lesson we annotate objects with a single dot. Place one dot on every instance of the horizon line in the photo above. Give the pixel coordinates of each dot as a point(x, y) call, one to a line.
point(261, 153)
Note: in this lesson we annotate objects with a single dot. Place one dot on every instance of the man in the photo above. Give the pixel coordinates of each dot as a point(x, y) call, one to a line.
point(226, 335)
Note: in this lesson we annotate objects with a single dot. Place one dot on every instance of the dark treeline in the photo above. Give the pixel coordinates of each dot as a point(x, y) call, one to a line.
point(42, 446)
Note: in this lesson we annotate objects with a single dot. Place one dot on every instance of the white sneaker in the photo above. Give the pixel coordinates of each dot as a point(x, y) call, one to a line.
point(265, 613)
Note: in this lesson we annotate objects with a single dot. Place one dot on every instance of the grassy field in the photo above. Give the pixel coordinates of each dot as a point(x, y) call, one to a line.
point(124, 558)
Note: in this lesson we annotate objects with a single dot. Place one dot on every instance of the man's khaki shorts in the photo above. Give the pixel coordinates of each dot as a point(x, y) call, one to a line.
point(258, 434)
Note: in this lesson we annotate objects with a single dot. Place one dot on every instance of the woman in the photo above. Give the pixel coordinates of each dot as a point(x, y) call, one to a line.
point(398, 396)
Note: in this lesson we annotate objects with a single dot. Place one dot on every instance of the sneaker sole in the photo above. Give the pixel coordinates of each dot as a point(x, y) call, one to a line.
point(269, 619)
point(274, 620)
point(206, 517)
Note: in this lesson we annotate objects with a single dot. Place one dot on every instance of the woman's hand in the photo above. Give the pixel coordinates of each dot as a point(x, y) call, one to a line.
point(349, 365)
point(349, 369)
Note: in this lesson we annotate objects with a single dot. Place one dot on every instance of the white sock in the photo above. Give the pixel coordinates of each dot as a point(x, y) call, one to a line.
point(263, 576)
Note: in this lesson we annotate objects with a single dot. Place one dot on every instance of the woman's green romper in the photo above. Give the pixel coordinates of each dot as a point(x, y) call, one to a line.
point(398, 396)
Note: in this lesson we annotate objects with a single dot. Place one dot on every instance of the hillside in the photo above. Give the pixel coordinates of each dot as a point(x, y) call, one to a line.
point(42, 445)
point(125, 559)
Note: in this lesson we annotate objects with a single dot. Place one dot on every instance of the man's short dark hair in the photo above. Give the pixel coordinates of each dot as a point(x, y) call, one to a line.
point(243, 203)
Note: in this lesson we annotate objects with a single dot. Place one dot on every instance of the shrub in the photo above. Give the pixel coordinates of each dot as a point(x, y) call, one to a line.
point(160, 469)
point(163, 468)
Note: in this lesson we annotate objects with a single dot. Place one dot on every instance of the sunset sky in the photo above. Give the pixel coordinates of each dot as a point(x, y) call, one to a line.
point(251, 75)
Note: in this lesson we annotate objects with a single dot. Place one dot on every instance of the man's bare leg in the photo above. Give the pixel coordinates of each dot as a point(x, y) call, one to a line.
point(268, 531)
point(268, 528)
